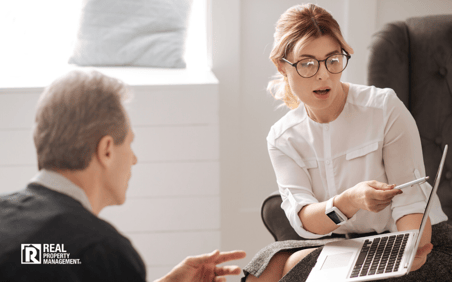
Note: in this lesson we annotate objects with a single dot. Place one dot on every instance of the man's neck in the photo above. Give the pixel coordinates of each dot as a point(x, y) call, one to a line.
point(89, 183)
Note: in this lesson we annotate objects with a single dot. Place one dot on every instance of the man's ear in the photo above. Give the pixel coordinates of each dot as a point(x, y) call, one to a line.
point(104, 151)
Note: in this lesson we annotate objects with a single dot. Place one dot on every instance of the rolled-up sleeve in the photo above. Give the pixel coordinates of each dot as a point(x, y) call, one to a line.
point(402, 157)
point(294, 186)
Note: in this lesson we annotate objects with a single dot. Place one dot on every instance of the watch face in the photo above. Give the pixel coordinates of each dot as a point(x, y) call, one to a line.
point(334, 217)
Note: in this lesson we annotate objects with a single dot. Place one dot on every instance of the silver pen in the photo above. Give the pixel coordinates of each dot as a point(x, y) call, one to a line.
point(411, 183)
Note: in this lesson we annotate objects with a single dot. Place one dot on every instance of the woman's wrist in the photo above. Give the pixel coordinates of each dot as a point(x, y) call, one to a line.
point(344, 202)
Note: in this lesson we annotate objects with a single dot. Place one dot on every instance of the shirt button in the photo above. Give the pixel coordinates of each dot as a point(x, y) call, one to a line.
point(438, 140)
point(327, 127)
point(328, 162)
point(449, 175)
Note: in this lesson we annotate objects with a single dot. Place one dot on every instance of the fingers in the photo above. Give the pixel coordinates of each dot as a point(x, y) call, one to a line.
point(214, 257)
point(203, 259)
point(380, 185)
point(380, 207)
point(228, 256)
point(421, 256)
point(383, 191)
point(222, 271)
point(387, 195)
point(425, 250)
point(418, 263)
point(377, 200)
point(227, 270)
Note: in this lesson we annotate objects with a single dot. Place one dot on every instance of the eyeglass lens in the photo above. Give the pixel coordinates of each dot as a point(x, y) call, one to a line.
point(334, 64)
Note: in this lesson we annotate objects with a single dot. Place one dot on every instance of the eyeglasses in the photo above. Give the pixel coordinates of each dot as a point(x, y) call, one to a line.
point(309, 67)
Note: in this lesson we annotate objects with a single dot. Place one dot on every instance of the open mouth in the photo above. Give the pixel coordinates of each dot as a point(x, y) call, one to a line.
point(322, 92)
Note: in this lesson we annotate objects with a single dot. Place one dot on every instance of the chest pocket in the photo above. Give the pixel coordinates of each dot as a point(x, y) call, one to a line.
point(310, 167)
point(362, 151)
point(310, 164)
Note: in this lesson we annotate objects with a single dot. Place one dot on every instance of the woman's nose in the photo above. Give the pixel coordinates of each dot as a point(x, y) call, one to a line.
point(323, 73)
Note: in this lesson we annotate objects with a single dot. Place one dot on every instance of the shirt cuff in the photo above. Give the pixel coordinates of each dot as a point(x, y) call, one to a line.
point(399, 212)
point(292, 214)
point(413, 200)
point(353, 218)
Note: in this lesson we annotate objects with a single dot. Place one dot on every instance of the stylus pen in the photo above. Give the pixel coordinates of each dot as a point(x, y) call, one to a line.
point(411, 183)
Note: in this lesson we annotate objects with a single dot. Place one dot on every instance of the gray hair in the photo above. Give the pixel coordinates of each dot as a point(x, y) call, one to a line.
point(73, 114)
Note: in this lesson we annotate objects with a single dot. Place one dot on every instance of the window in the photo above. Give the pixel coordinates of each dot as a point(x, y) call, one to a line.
point(41, 34)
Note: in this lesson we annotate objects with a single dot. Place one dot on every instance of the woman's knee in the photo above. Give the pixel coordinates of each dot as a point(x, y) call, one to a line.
point(274, 269)
point(296, 258)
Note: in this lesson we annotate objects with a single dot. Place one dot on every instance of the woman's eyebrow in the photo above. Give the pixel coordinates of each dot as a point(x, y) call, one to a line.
point(327, 55)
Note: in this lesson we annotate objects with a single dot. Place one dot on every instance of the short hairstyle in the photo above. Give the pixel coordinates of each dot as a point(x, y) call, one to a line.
point(295, 28)
point(73, 114)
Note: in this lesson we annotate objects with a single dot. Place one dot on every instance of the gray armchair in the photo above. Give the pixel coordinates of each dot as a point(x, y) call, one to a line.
point(414, 58)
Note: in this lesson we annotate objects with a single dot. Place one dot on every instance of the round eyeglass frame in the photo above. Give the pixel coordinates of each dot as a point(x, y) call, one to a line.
point(318, 65)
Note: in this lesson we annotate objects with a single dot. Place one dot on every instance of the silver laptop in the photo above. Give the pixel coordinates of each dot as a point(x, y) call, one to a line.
point(373, 257)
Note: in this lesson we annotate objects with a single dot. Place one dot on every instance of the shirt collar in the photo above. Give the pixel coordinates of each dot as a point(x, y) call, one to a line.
point(57, 182)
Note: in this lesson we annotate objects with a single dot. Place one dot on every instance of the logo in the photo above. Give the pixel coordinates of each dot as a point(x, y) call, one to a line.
point(31, 253)
point(46, 254)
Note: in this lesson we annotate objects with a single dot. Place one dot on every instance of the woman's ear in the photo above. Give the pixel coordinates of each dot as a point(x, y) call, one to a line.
point(280, 65)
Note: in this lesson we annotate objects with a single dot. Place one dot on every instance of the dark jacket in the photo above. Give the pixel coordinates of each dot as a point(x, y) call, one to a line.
point(85, 247)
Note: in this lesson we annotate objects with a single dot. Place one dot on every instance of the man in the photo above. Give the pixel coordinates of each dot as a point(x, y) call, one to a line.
point(50, 231)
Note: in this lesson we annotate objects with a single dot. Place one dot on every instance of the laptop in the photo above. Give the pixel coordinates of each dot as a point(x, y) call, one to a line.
point(373, 257)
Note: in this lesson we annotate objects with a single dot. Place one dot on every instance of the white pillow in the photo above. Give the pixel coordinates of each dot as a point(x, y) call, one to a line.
point(148, 33)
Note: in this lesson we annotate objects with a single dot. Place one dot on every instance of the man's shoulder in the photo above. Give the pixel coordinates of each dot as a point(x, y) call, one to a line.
point(44, 215)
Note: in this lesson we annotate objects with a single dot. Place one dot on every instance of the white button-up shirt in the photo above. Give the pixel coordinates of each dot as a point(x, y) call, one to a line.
point(374, 138)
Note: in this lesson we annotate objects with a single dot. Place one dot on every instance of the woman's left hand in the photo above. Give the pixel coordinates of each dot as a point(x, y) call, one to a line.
point(421, 256)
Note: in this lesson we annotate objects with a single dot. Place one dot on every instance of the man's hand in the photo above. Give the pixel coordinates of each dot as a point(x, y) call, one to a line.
point(203, 268)
point(421, 256)
point(372, 195)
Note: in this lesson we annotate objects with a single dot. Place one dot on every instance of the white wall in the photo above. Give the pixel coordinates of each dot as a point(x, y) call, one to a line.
point(242, 40)
point(172, 208)
point(399, 10)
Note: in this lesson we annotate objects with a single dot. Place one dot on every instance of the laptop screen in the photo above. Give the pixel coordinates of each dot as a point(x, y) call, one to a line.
point(429, 201)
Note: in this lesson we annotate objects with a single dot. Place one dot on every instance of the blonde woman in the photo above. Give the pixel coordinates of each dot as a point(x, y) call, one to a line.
point(338, 147)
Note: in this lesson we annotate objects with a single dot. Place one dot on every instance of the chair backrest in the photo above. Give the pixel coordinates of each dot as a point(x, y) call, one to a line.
point(275, 219)
point(414, 58)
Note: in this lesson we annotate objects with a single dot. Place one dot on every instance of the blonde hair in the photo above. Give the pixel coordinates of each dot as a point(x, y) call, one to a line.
point(73, 114)
point(294, 29)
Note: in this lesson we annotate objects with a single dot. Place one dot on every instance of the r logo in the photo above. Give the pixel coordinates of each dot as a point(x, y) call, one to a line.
point(31, 253)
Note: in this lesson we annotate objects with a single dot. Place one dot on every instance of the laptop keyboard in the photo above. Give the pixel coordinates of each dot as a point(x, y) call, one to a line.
point(380, 255)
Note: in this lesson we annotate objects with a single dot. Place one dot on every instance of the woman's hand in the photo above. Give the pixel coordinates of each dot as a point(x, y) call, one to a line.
point(421, 256)
point(413, 221)
point(372, 195)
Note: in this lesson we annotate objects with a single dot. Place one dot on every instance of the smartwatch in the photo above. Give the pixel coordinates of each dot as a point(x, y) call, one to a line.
point(334, 213)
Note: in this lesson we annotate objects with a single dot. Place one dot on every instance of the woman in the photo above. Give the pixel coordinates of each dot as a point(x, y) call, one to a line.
point(337, 149)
